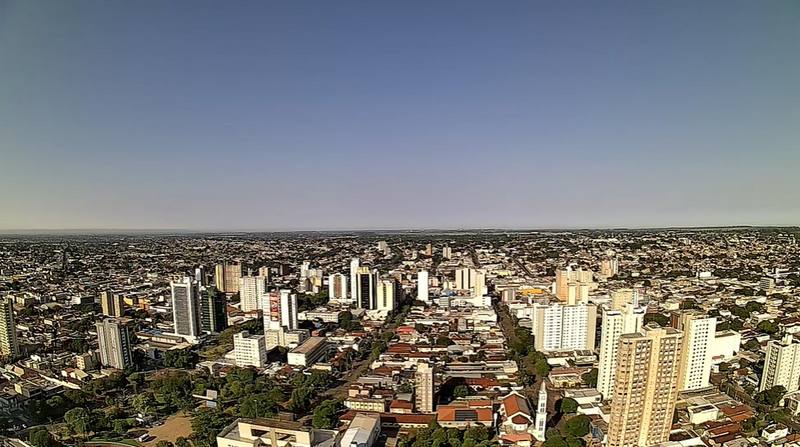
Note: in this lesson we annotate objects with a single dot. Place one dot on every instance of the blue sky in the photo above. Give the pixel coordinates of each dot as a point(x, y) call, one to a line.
point(447, 114)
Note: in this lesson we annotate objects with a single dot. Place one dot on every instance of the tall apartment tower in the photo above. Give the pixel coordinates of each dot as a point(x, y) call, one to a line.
point(271, 309)
point(424, 388)
point(614, 324)
point(557, 327)
point(8, 329)
point(213, 310)
point(422, 285)
point(114, 338)
point(609, 266)
point(572, 286)
point(645, 387)
point(782, 365)
point(112, 304)
point(226, 277)
point(465, 278)
point(367, 288)
point(540, 422)
point(698, 337)
point(387, 294)
point(186, 308)
point(354, 289)
point(337, 287)
point(251, 289)
point(479, 287)
point(288, 309)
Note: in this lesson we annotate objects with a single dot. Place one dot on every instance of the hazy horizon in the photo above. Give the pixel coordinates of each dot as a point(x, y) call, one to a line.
point(350, 116)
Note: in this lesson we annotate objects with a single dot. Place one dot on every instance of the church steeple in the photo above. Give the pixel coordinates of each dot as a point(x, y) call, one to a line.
point(540, 426)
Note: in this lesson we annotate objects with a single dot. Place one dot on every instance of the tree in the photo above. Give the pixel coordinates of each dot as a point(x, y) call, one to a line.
point(567, 405)
point(325, 415)
point(78, 420)
point(769, 327)
point(206, 423)
point(461, 391)
point(444, 340)
point(180, 358)
point(180, 441)
point(578, 426)
point(163, 443)
point(771, 396)
point(752, 345)
point(41, 438)
point(660, 319)
point(590, 378)
point(257, 406)
point(144, 403)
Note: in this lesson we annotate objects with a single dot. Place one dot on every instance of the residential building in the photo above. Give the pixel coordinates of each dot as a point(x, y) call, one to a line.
point(645, 387)
point(213, 310)
point(112, 304)
point(422, 285)
point(782, 365)
point(337, 287)
point(116, 345)
point(249, 350)
point(367, 288)
point(387, 292)
point(573, 286)
point(614, 324)
point(558, 327)
point(9, 346)
point(698, 342)
point(424, 388)
point(251, 290)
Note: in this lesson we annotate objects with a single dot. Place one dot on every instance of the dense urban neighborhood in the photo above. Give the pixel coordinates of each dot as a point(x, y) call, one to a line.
point(620, 338)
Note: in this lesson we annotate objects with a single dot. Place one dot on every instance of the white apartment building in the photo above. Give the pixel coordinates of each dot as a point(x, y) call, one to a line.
point(422, 286)
point(249, 350)
point(251, 291)
point(698, 340)
point(614, 324)
point(337, 287)
point(558, 327)
point(782, 365)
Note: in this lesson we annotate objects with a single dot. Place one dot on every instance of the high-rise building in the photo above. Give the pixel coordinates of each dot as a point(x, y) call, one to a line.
point(271, 309)
point(558, 327)
point(112, 304)
point(645, 387)
point(540, 422)
point(609, 266)
point(115, 341)
point(447, 252)
point(573, 286)
point(479, 288)
point(422, 286)
point(337, 287)
point(429, 250)
point(614, 324)
point(213, 310)
point(288, 309)
point(465, 278)
point(622, 297)
point(424, 388)
point(226, 277)
point(186, 308)
point(251, 290)
point(782, 365)
point(249, 350)
point(367, 288)
point(697, 351)
point(387, 294)
point(354, 288)
point(8, 329)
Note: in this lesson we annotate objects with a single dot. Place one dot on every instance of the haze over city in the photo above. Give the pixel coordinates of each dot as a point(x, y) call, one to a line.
point(364, 115)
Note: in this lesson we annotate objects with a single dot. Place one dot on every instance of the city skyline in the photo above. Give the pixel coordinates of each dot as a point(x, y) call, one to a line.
point(346, 116)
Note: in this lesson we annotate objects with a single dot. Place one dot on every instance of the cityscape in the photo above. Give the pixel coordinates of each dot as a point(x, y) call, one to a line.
point(673, 337)
point(450, 223)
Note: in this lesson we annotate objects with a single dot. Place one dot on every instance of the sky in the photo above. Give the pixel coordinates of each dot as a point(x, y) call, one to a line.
point(302, 115)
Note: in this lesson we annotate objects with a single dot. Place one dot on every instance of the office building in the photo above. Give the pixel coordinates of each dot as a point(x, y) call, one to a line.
point(115, 343)
point(367, 280)
point(698, 340)
point(309, 352)
point(9, 346)
point(186, 308)
point(213, 310)
point(422, 286)
point(424, 390)
point(337, 287)
point(249, 350)
point(112, 304)
point(251, 291)
point(558, 327)
point(615, 323)
point(782, 365)
point(645, 387)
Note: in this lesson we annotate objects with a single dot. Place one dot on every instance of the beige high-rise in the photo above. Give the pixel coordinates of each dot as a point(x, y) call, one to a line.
point(112, 304)
point(645, 387)
point(8, 330)
point(424, 388)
